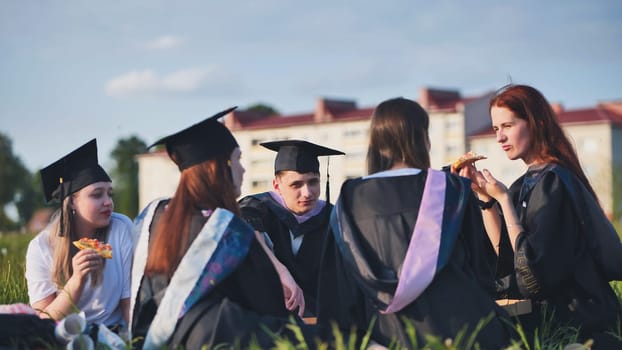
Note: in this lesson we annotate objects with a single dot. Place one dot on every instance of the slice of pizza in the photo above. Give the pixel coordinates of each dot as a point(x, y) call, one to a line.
point(468, 157)
point(104, 249)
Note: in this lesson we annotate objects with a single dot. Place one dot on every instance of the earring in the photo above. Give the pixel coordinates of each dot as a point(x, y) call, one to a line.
point(73, 212)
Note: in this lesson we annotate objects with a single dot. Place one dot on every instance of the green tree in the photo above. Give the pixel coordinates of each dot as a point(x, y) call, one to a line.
point(261, 108)
point(125, 174)
point(617, 193)
point(30, 198)
point(13, 178)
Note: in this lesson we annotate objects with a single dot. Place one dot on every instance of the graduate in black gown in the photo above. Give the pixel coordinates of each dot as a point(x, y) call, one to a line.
point(201, 277)
point(292, 215)
point(407, 242)
point(556, 246)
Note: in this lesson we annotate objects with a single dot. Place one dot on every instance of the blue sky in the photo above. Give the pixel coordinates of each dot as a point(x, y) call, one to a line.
point(74, 70)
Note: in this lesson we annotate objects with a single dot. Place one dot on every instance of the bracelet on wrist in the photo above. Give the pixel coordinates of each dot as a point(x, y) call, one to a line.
point(486, 205)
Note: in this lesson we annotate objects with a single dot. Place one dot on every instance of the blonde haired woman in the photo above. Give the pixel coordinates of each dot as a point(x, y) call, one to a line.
point(61, 277)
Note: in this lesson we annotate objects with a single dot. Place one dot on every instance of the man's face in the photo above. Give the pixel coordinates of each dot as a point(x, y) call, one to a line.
point(299, 191)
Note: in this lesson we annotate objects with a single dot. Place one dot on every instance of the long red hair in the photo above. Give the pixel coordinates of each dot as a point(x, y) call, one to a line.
point(549, 142)
point(207, 185)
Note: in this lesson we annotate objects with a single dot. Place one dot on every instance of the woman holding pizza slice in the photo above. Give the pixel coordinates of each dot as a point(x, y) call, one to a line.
point(63, 278)
point(555, 245)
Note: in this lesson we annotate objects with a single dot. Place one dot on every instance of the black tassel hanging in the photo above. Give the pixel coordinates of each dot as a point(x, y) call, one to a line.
point(61, 228)
point(327, 181)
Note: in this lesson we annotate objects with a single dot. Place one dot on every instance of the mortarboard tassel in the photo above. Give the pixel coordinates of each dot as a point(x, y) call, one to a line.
point(327, 185)
point(61, 225)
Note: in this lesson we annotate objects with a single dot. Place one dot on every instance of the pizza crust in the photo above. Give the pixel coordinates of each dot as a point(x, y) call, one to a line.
point(468, 157)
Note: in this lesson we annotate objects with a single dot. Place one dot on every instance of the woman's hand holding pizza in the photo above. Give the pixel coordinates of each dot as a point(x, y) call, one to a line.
point(85, 262)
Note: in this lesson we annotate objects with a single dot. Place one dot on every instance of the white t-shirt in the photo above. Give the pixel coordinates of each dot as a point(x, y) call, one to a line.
point(99, 303)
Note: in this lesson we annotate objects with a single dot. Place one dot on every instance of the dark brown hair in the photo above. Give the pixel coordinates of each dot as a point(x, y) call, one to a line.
point(549, 143)
point(207, 185)
point(398, 133)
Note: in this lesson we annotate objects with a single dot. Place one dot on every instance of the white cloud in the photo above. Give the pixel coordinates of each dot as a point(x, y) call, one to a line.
point(187, 80)
point(164, 42)
point(147, 82)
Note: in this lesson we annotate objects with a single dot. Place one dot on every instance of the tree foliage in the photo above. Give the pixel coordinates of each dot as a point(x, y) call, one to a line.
point(30, 198)
point(262, 109)
point(125, 174)
point(14, 182)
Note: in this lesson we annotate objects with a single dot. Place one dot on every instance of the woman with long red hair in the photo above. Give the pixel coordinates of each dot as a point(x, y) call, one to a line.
point(554, 243)
point(201, 275)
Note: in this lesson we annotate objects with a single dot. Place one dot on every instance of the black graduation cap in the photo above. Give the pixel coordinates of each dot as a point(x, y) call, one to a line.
point(72, 172)
point(199, 142)
point(300, 156)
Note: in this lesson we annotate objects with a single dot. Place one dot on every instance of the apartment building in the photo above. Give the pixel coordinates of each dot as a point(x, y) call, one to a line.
point(457, 124)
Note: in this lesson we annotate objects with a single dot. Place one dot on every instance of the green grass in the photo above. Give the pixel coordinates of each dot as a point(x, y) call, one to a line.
point(13, 287)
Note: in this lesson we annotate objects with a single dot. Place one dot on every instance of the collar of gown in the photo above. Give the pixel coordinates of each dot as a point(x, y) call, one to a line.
point(319, 205)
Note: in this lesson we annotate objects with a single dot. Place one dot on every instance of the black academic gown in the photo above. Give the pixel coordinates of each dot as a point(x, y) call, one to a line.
point(266, 215)
point(553, 264)
point(377, 220)
point(250, 298)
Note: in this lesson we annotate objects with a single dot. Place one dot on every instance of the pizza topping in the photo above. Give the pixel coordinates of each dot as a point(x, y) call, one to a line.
point(104, 249)
point(468, 157)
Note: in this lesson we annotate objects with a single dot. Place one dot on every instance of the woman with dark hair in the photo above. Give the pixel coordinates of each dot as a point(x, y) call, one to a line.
point(551, 228)
point(201, 275)
point(407, 244)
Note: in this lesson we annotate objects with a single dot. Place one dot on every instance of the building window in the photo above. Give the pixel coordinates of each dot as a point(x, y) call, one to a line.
point(261, 163)
point(451, 150)
point(352, 133)
point(260, 183)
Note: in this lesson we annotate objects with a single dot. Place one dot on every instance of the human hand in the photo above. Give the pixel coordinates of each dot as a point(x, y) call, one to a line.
point(470, 171)
point(294, 297)
point(490, 185)
point(85, 262)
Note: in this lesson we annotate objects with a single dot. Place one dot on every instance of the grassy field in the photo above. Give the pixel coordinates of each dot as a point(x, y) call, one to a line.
point(12, 265)
point(13, 290)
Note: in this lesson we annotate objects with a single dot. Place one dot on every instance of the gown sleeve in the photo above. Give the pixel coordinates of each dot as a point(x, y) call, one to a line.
point(339, 302)
point(546, 250)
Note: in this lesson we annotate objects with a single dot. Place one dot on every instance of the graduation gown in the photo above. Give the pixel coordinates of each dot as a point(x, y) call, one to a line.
point(244, 295)
point(554, 265)
point(373, 226)
point(266, 215)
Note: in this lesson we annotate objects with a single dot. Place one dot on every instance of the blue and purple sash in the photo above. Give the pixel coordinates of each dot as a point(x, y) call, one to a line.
point(431, 243)
point(220, 246)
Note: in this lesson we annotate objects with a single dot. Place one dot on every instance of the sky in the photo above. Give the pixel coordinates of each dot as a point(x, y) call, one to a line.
point(76, 70)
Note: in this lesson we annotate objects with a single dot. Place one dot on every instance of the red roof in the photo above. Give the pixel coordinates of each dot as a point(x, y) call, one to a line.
point(279, 121)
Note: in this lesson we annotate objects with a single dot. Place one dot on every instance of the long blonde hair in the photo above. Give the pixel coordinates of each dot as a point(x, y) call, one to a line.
point(62, 246)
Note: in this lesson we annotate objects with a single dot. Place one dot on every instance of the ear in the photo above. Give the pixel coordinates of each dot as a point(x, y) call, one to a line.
point(275, 184)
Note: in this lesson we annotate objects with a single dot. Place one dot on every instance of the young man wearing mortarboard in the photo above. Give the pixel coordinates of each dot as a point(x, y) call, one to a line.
point(60, 277)
point(292, 215)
